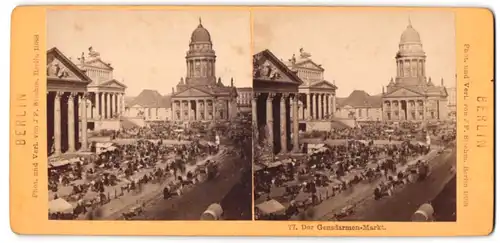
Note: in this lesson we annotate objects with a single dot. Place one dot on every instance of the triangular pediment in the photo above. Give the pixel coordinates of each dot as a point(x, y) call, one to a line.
point(60, 67)
point(113, 84)
point(267, 67)
point(309, 64)
point(191, 92)
point(98, 63)
point(324, 85)
point(403, 92)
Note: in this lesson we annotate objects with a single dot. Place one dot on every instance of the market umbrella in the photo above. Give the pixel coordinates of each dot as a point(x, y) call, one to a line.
point(60, 206)
point(271, 206)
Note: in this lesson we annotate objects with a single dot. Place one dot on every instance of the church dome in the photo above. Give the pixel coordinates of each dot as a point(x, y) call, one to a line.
point(410, 35)
point(200, 34)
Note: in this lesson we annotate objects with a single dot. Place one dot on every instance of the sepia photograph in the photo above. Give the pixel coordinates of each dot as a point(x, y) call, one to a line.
point(149, 115)
point(354, 115)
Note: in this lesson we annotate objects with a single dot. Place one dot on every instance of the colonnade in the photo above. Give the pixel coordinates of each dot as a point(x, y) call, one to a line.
point(270, 110)
point(405, 109)
point(107, 105)
point(193, 109)
point(317, 106)
point(68, 101)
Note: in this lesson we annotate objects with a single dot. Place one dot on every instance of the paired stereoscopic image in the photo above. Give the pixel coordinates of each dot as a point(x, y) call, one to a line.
point(149, 115)
point(193, 115)
point(355, 116)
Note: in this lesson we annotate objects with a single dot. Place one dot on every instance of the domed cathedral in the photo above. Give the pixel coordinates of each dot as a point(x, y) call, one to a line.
point(412, 96)
point(200, 96)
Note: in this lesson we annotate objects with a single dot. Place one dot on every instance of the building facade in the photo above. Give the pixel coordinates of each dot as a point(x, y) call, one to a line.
point(316, 95)
point(360, 106)
point(201, 96)
point(411, 96)
point(149, 105)
point(452, 103)
point(244, 100)
point(106, 94)
point(67, 105)
point(275, 110)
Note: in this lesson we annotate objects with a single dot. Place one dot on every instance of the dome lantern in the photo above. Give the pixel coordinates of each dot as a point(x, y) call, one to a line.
point(200, 34)
point(410, 35)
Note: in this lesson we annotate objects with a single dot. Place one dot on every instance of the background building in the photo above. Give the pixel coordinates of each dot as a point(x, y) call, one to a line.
point(411, 96)
point(202, 97)
point(244, 100)
point(149, 105)
point(452, 102)
point(360, 106)
point(316, 98)
point(106, 94)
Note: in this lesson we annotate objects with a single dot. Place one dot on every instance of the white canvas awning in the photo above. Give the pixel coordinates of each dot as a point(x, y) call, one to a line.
point(60, 206)
point(271, 206)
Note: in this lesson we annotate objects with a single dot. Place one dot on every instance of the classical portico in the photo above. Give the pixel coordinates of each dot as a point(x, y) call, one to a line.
point(275, 109)
point(67, 105)
point(316, 97)
point(412, 96)
point(106, 95)
point(200, 108)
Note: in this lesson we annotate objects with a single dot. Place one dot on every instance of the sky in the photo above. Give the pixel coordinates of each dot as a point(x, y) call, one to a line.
point(358, 48)
point(147, 49)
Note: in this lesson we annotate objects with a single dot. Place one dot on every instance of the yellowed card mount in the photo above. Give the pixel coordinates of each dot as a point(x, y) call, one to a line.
point(252, 121)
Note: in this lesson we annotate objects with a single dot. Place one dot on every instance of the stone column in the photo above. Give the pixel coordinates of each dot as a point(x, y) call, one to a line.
point(113, 104)
point(269, 119)
point(327, 105)
point(301, 110)
point(84, 105)
point(401, 112)
point(283, 133)
point(313, 107)
point(57, 123)
point(190, 109)
point(254, 110)
point(118, 104)
point(123, 103)
point(108, 105)
point(97, 113)
point(308, 108)
point(172, 110)
point(295, 125)
point(323, 106)
point(214, 108)
point(205, 107)
point(181, 110)
point(103, 105)
point(334, 104)
point(71, 122)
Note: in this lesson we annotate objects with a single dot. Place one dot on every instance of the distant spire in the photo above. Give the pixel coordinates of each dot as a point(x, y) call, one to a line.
point(199, 18)
point(409, 21)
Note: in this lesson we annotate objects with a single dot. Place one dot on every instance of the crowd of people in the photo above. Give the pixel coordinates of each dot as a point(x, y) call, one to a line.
point(123, 166)
point(287, 188)
point(382, 131)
